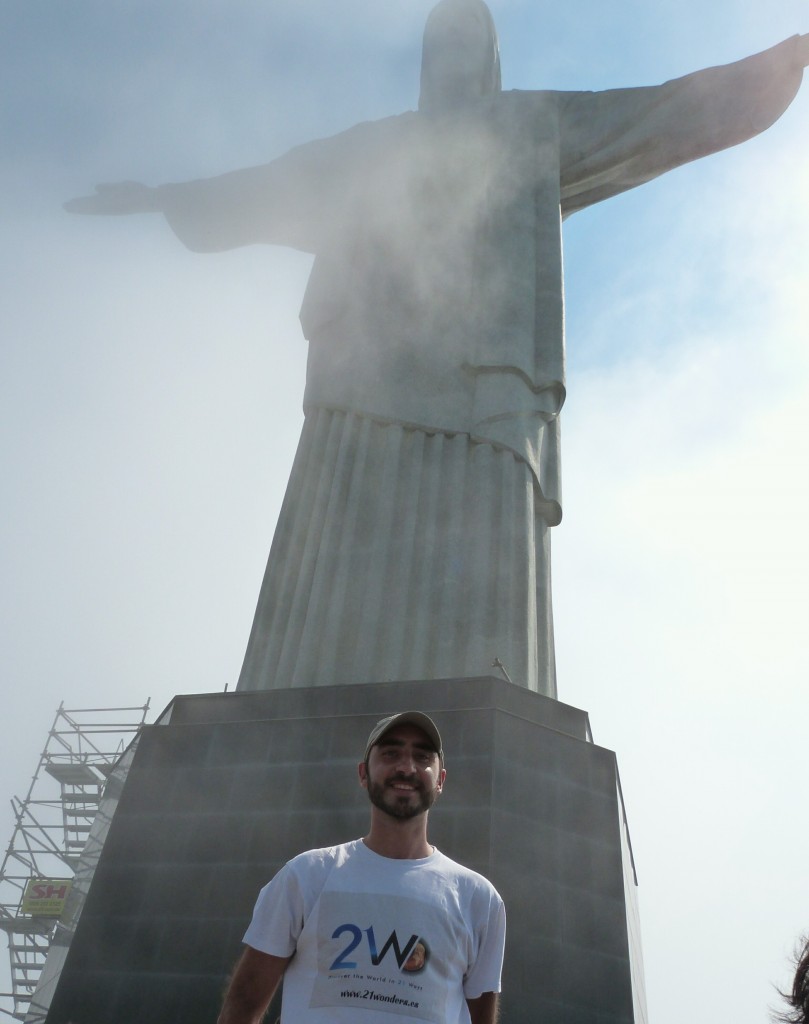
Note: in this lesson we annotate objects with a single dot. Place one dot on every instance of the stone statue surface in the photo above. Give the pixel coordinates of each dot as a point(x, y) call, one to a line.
point(414, 538)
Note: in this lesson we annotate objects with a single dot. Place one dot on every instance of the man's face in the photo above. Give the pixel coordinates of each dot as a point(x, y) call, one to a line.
point(404, 774)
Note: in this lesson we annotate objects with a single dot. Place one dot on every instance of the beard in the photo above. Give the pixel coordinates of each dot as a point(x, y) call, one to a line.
point(400, 805)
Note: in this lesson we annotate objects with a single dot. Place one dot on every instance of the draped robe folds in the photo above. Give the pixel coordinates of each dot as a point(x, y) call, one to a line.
point(413, 542)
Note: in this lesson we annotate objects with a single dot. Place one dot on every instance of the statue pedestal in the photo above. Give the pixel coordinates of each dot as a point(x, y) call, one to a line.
point(226, 787)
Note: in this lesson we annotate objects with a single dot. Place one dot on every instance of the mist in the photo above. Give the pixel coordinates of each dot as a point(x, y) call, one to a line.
point(151, 407)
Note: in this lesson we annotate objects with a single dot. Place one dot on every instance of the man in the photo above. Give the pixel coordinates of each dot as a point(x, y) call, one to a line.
point(383, 928)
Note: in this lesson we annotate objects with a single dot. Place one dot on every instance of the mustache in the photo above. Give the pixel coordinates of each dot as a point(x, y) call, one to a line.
point(403, 777)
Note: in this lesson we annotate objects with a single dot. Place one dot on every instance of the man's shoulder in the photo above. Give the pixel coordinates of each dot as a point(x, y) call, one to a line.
point(327, 857)
point(466, 878)
point(455, 867)
point(310, 870)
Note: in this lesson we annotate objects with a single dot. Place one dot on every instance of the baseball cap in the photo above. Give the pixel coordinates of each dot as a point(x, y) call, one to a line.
point(417, 718)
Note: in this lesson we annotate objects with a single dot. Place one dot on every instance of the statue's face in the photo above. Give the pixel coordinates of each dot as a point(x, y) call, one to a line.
point(460, 56)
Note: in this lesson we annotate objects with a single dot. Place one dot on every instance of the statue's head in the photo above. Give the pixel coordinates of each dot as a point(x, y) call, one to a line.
point(461, 55)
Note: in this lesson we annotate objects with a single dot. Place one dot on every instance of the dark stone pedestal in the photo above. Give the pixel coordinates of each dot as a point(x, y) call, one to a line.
point(225, 788)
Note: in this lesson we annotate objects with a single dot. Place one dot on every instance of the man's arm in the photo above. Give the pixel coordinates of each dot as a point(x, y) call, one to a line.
point(252, 986)
point(483, 1010)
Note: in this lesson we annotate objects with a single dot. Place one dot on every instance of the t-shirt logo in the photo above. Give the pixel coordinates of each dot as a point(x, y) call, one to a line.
point(383, 953)
point(410, 957)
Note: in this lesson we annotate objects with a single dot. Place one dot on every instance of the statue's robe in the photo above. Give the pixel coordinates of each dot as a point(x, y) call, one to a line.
point(414, 538)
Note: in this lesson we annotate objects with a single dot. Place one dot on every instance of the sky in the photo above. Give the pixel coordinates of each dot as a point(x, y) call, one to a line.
point(150, 402)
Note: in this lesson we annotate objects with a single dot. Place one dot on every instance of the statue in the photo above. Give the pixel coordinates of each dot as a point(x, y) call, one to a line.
point(414, 538)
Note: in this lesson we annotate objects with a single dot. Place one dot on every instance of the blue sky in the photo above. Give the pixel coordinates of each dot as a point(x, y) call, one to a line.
point(150, 406)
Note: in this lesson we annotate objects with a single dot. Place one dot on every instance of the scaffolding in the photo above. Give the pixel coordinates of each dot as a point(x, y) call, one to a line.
point(52, 823)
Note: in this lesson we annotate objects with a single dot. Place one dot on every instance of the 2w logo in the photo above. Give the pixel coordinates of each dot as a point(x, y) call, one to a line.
point(401, 953)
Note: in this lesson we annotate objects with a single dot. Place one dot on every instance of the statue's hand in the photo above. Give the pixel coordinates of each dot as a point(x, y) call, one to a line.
point(119, 198)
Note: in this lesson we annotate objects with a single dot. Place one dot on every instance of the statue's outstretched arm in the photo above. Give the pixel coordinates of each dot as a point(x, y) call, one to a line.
point(120, 197)
point(294, 200)
point(614, 140)
point(239, 208)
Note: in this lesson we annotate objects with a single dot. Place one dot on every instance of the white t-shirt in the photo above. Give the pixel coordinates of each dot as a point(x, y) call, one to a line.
point(411, 939)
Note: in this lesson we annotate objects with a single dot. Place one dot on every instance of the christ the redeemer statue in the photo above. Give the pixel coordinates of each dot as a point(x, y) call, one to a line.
point(413, 542)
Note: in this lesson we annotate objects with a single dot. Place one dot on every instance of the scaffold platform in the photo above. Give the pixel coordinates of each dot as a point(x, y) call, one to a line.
point(51, 825)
